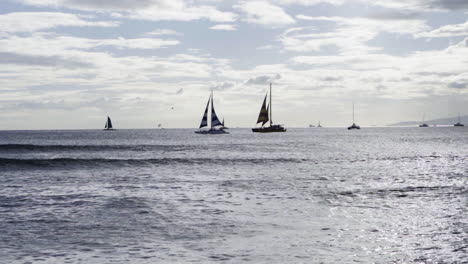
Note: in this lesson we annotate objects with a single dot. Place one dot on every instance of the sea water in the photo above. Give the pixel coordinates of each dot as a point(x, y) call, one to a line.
point(318, 195)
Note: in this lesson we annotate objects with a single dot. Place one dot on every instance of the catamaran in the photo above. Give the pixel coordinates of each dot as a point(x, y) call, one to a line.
point(216, 127)
point(108, 125)
point(459, 124)
point(353, 126)
point(264, 116)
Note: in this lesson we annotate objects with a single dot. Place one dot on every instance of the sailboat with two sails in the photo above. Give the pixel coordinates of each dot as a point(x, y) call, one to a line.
point(215, 126)
point(108, 125)
point(264, 116)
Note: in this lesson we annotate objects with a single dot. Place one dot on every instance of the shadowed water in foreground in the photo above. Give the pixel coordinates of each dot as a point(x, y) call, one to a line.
point(305, 196)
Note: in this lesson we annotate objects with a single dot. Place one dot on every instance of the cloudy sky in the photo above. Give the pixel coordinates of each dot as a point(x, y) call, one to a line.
point(69, 63)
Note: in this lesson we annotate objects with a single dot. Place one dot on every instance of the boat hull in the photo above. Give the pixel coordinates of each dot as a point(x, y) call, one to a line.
point(270, 129)
point(109, 129)
point(212, 132)
point(459, 125)
point(424, 125)
point(354, 126)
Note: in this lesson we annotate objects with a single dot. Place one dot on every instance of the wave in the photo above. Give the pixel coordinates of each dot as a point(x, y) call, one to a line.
point(92, 148)
point(67, 162)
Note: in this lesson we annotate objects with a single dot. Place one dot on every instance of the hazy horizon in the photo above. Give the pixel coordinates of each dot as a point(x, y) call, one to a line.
point(68, 64)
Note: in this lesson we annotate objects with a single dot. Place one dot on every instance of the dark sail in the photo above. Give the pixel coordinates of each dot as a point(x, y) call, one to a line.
point(109, 123)
point(204, 121)
point(214, 118)
point(263, 116)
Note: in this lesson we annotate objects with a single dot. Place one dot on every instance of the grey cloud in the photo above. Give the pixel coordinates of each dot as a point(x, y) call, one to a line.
point(264, 79)
point(332, 79)
point(394, 16)
point(458, 85)
point(450, 4)
point(222, 86)
point(108, 4)
point(380, 87)
point(48, 61)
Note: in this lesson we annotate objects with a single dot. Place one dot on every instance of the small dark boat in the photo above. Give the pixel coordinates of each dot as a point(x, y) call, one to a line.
point(353, 126)
point(108, 125)
point(458, 124)
point(424, 124)
point(264, 116)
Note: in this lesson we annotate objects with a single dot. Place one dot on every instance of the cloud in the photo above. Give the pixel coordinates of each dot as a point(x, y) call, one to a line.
point(152, 10)
point(48, 61)
point(264, 79)
point(227, 27)
point(309, 2)
point(163, 32)
point(182, 13)
point(347, 34)
point(422, 5)
point(459, 84)
point(446, 31)
point(222, 86)
point(35, 21)
point(47, 44)
point(264, 13)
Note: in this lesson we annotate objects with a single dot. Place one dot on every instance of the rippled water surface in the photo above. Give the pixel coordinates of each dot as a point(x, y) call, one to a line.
point(170, 196)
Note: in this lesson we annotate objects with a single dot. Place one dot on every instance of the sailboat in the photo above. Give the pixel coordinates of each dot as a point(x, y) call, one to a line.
point(423, 123)
point(264, 116)
point(319, 124)
point(108, 125)
point(353, 126)
point(216, 127)
point(459, 124)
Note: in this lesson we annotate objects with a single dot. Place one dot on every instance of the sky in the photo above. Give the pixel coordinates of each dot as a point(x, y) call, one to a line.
point(67, 64)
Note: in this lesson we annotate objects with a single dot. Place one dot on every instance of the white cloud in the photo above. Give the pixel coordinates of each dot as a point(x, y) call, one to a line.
point(152, 10)
point(182, 13)
point(309, 2)
point(264, 13)
point(456, 30)
point(162, 32)
point(349, 35)
point(227, 27)
point(421, 5)
point(35, 21)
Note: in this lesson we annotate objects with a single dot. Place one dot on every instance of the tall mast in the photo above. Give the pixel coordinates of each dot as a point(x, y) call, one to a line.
point(353, 112)
point(271, 111)
point(211, 112)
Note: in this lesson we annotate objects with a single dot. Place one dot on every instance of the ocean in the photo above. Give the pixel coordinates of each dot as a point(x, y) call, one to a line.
point(317, 195)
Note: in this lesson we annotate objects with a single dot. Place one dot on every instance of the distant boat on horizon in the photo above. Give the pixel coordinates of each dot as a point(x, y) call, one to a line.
point(216, 126)
point(265, 115)
point(354, 126)
point(108, 125)
point(319, 124)
point(423, 122)
point(458, 124)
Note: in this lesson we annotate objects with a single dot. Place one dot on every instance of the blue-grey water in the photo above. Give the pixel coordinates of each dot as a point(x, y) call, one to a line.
point(329, 195)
